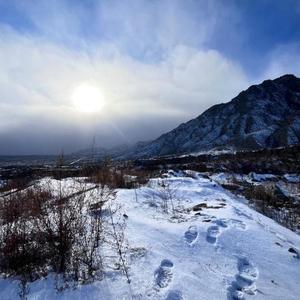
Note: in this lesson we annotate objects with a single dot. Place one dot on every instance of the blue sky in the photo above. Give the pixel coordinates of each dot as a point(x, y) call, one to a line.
point(156, 62)
point(246, 31)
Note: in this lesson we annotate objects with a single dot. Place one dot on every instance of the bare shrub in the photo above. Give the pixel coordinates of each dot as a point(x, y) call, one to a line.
point(110, 177)
point(116, 239)
point(21, 249)
point(62, 228)
point(267, 200)
point(168, 195)
point(114, 177)
point(15, 184)
point(264, 196)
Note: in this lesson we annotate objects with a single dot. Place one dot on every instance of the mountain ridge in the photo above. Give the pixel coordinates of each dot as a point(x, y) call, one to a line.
point(266, 115)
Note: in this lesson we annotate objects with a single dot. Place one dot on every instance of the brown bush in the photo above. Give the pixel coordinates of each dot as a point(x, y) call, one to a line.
point(60, 229)
point(119, 178)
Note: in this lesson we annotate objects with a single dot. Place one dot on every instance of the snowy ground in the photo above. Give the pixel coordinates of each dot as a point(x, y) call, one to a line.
point(254, 178)
point(224, 251)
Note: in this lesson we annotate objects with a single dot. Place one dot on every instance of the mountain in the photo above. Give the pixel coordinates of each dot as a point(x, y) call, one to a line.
point(264, 116)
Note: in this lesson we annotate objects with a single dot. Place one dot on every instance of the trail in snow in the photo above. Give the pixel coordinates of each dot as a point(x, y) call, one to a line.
point(218, 252)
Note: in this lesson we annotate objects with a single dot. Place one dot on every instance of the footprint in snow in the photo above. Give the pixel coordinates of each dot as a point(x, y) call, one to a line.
point(239, 212)
point(191, 235)
point(212, 234)
point(231, 223)
point(163, 275)
point(245, 280)
point(175, 295)
point(214, 231)
point(295, 251)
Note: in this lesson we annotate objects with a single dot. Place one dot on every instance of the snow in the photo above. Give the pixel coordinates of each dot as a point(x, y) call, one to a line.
point(225, 250)
point(210, 152)
point(262, 177)
point(224, 178)
point(220, 178)
point(293, 178)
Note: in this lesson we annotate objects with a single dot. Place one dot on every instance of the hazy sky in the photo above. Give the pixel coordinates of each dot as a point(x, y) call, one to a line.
point(156, 64)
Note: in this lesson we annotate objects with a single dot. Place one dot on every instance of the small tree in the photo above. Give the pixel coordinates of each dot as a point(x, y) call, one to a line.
point(168, 195)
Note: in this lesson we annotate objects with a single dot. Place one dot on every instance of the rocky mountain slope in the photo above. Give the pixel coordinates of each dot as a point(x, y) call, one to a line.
point(264, 116)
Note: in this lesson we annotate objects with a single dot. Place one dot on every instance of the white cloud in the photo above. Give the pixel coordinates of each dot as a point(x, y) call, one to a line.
point(38, 76)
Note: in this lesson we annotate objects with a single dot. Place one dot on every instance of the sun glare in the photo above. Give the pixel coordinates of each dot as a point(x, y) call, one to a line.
point(87, 99)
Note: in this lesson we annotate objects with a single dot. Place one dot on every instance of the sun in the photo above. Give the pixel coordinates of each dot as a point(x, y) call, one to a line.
point(87, 98)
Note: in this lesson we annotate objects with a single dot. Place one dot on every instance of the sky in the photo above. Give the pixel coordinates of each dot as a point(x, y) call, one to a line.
point(153, 64)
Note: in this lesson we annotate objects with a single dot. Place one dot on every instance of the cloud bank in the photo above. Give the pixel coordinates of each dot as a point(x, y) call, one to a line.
point(151, 60)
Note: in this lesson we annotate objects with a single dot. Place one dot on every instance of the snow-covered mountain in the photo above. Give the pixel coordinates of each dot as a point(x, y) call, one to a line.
point(265, 115)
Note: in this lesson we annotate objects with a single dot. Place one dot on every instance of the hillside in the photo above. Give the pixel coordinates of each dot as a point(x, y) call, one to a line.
point(213, 246)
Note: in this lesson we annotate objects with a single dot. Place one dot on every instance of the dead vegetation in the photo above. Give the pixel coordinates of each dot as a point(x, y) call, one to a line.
point(272, 202)
point(277, 200)
point(114, 176)
point(62, 228)
point(201, 206)
point(273, 161)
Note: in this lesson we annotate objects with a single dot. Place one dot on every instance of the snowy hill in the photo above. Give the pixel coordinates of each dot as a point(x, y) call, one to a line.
point(214, 247)
point(265, 115)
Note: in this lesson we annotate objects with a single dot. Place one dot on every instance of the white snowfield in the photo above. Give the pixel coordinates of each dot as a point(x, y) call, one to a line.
point(225, 250)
